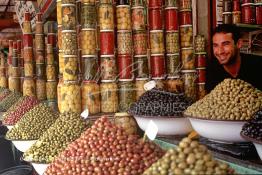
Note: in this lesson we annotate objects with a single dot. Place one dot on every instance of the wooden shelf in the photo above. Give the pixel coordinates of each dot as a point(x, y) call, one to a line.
point(249, 26)
point(257, 53)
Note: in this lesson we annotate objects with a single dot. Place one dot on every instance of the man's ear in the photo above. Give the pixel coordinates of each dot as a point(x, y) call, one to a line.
point(239, 43)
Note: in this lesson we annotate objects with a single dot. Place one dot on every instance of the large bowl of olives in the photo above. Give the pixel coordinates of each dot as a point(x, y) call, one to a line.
point(218, 130)
point(23, 145)
point(40, 167)
point(166, 125)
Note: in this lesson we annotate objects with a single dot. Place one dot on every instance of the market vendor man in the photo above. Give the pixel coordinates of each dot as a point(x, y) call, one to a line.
point(229, 62)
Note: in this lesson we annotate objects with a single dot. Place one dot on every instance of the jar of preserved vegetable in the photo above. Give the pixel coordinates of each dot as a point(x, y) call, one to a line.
point(189, 79)
point(40, 59)
point(172, 42)
point(126, 121)
point(14, 72)
point(28, 54)
point(88, 41)
point(201, 75)
point(70, 67)
point(140, 82)
point(248, 13)
point(27, 27)
point(171, 18)
point(157, 42)
point(173, 64)
point(28, 40)
point(69, 42)
point(108, 67)
point(88, 17)
point(140, 42)
point(186, 35)
point(227, 17)
point(141, 66)
point(50, 60)
point(200, 43)
point(59, 36)
point(175, 84)
point(51, 90)
point(106, 16)
point(29, 69)
point(236, 5)
point(40, 70)
point(125, 67)
point(201, 90)
point(70, 97)
point(157, 65)
point(188, 59)
point(39, 41)
point(109, 96)
point(258, 13)
point(171, 3)
point(236, 17)
point(126, 94)
point(185, 4)
point(14, 84)
point(29, 87)
point(107, 46)
point(155, 3)
point(41, 89)
point(59, 12)
point(3, 82)
point(51, 39)
point(123, 15)
point(185, 17)
point(90, 97)
point(68, 16)
point(90, 67)
point(155, 19)
point(91, 2)
point(138, 18)
point(50, 72)
point(200, 59)
point(2, 71)
point(61, 62)
point(227, 6)
point(124, 42)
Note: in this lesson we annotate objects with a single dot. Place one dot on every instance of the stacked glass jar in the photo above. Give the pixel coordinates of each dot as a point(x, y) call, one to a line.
point(3, 74)
point(20, 55)
point(89, 59)
point(141, 69)
point(236, 13)
point(108, 86)
point(227, 12)
point(29, 87)
point(70, 95)
point(126, 94)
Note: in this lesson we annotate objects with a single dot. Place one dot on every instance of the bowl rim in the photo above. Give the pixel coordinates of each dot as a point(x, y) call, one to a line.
point(199, 118)
point(158, 117)
point(250, 138)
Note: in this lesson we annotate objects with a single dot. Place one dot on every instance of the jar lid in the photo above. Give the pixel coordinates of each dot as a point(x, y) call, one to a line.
point(247, 4)
point(172, 31)
point(185, 10)
point(59, 26)
point(140, 56)
point(88, 29)
point(156, 31)
point(174, 77)
point(200, 68)
point(108, 81)
point(71, 82)
point(68, 5)
point(105, 56)
point(107, 30)
point(89, 56)
point(28, 48)
point(155, 55)
point(173, 54)
point(158, 78)
point(200, 53)
point(141, 79)
point(187, 48)
point(124, 31)
point(170, 8)
point(41, 64)
point(119, 6)
point(68, 31)
point(201, 83)
point(48, 34)
point(187, 25)
point(258, 3)
point(121, 114)
point(60, 51)
point(125, 80)
point(227, 13)
point(236, 12)
point(188, 71)
point(139, 31)
point(137, 7)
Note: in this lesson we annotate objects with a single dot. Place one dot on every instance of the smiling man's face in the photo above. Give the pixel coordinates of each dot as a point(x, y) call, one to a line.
point(224, 48)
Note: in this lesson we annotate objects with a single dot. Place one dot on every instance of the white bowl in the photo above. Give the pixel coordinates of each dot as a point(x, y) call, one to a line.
point(9, 126)
point(40, 167)
point(259, 149)
point(166, 125)
point(218, 130)
point(23, 145)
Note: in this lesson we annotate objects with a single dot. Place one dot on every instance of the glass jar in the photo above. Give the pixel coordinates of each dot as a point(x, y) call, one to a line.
point(157, 65)
point(138, 18)
point(29, 69)
point(69, 42)
point(126, 94)
point(90, 67)
point(227, 17)
point(155, 19)
point(227, 6)
point(236, 5)
point(3, 82)
point(157, 42)
point(124, 42)
point(175, 84)
point(108, 67)
point(173, 64)
point(109, 96)
point(28, 54)
point(14, 84)
point(125, 67)
point(200, 43)
point(171, 18)
point(68, 16)
point(123, 17)
point(186, 35)
point(248, 13)
point(107, 46)
point(127, 122)
point(39, 41)
point(172, 42)
point(185, 4)
point(201, 90)
point(50, 60)
point(70, 67)
point(70, 97)
point(185, 17)
point(27, 27)
point(106, 17)
point(59, 12)
point(40, 70)
point(200, 59)
point(259, 13)
point(171, 3)
point(61, 62)
point(236, 17)
point(189, 79)
point(88, 17)
point(39, 58)
point(90, 97)
point(141, 66)
point(140, 42)
point(201, 75)
point(155, 3)
point(51, 38)
point(91, 2)
point(50, 72)
point(14, 72)
point(29, 87)
point(28, 40)
point(41, 89)
point(140, 82)
point(69, 2)
point(51, 90)
point(188, 59)
point(88, 41)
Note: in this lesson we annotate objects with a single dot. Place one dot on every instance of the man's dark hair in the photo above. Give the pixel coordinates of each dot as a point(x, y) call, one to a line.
point(228, 28)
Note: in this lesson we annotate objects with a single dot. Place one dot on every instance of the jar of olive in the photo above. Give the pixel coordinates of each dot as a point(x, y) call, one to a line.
point(157, 41)
point(41, 89)
point(123, 15)
point(106, 16)
point(140, 82)
point(50, 54)
point(189, 79)
point(108, 67)
point(188, 59)
point(88, 41)
point(51, 90)
point(29, 69)
point(173, 64)
point(175, 84)
point(69, 42)
point(70, 67)
point(126, 121)
point(88, 18)
point(14, 83)
point(50, 72)
point(70, 97)
point(126, 94)
point(172, 42)
point(109, 96)
point(90, 96)
point(186, 35)
point(200, 43)
point(29, 87)
point(68, 16)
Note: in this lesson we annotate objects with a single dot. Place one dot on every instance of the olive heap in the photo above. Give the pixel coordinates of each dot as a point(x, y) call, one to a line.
point(4, 93)
point(253, 128)
point(65, 130)
point(158, 102)
point(23, 106)
point(8, 101)
point(105, 149)
point(13, 107)
point(33, 124)
point(232, 99)
point(189, 157)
